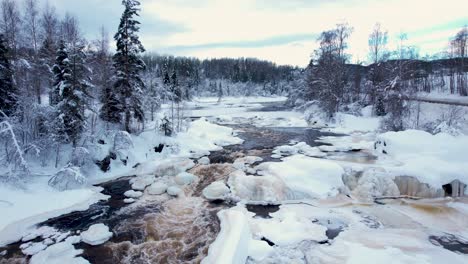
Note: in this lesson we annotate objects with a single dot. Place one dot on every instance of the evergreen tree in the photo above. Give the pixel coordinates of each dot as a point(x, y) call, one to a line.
point(62, 73)
point(75, 95)
point(8, 91)
point(128, 64)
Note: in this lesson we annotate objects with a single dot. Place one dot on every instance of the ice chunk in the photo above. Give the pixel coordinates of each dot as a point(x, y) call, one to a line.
point(216, 191)
point(97, 234)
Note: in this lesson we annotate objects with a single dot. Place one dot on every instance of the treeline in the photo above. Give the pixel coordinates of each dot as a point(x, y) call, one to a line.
point(388, 83)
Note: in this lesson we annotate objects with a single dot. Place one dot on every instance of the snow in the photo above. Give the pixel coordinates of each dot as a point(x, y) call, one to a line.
point(204, 136)
point(347, 124)
point(216, 191)
point(433, 159)
point(306, 177)
point(21, 209)
point(96, 234)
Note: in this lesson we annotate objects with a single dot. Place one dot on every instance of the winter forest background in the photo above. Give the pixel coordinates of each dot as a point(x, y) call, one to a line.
point(62, 95)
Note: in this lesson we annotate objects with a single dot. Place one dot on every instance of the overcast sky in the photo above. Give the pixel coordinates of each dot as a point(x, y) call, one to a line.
point(283, 31)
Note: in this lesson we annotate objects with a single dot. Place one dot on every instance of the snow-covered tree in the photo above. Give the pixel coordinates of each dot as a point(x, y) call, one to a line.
point(128, 64)
point(8, 91)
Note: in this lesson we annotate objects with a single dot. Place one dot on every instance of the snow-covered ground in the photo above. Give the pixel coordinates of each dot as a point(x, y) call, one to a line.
point(325, 193)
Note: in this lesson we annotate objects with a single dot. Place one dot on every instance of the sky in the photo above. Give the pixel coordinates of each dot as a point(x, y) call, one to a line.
point(282, 31)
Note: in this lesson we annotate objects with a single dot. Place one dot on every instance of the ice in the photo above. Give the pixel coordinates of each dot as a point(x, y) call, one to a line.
point(306, 177)
point(259, 249)
point(184, 178)
point(288, 228)
point(133, 194)
point(244, 162)
point(216, 191)
point(347, 124)
point(255, 189)
point(140, 182)
point(375, 183)
point(32, 248)
point(174, 191)
point(232, 244)
point(157, 188)
point(68, 179)
point(299, 148)
point(63, 252)
point(96, 234)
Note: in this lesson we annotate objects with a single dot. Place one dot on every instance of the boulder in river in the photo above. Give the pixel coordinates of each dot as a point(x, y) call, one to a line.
point(68, 178)
point(97, 234)
point(217, 190)
point(157, 188)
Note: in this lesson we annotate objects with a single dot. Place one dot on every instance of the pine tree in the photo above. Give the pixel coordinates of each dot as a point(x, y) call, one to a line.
point(8, 91)
point(70, 93)
point(62, 73)
point(128, 64)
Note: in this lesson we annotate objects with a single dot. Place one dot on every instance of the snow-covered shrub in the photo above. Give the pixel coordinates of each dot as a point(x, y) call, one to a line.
point(122, 141)
point(67, 179)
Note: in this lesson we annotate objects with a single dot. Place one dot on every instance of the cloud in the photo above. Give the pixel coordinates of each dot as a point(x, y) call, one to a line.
point(273, 29)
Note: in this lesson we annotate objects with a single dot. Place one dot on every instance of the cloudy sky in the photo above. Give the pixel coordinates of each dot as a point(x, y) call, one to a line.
point(283, 31)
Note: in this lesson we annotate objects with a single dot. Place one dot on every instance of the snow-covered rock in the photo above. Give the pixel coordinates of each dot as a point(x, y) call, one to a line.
point(80, 157)
point(67, 179)
point(184, 178)
point(204, 161)
point(305, 177)
point(216, 191)
point(139, 183)
point(96, 234)
point(129, 200)
point(174, 191)
point(122, 141)
point(157, 188)
point(173, 166)
point(133, 194)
